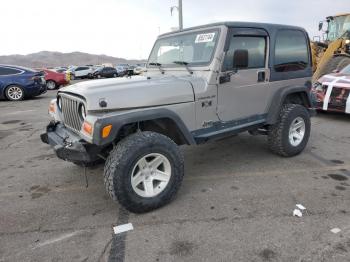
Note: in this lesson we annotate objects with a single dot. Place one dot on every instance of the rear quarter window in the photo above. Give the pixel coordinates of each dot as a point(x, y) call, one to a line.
point(291, 51)
point(5, 71)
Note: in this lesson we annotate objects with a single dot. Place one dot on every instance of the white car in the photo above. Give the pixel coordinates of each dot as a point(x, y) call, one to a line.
point(81, 72)
point(140, 68)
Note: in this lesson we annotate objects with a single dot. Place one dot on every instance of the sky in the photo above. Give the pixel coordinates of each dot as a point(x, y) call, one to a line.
point(128, 28)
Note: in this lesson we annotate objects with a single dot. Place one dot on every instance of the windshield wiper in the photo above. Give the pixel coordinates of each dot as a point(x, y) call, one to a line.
point(159, 65)
point(184, 63)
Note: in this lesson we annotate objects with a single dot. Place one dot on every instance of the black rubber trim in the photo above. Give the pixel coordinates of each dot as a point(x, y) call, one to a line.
point(118, 120)
point(279, 97)
point(229, 128)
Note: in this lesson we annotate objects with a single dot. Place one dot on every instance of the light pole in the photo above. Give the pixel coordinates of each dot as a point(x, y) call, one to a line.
point(180, 15)
point(179, 9)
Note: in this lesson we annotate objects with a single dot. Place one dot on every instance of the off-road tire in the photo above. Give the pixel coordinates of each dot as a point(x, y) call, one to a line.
point(335, 63)
point(122, 159)
point(278, 134)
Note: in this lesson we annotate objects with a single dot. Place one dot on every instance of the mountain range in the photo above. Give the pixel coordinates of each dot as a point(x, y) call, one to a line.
point(52, 59)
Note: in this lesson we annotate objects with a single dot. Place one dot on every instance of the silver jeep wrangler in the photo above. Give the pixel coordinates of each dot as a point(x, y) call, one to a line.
point(202, 83)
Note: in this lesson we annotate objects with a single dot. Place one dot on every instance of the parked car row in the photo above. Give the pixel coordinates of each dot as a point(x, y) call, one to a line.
point(18, 82)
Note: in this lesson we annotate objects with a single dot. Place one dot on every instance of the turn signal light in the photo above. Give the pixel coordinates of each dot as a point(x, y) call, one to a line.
point(52, 107)
point(106, 130)
point(87, 128)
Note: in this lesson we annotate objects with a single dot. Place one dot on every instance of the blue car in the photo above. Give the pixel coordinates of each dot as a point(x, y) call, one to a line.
point(17, 83)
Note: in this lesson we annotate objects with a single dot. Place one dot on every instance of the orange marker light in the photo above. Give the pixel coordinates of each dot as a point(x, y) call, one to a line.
point(87, 127)
point(52, 108)
point(106, 130)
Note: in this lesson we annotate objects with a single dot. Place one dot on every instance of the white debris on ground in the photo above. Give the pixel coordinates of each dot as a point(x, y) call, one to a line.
point(300, 206)
point(123, 228)
point(298, 211)
point(335, 230)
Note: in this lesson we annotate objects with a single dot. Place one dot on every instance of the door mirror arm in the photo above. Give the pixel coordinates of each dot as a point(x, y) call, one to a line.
point(226, 77)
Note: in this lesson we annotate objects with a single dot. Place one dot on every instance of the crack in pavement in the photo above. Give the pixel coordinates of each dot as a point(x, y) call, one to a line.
point(118, 245)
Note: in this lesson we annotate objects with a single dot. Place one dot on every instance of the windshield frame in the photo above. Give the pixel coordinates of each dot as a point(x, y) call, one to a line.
point(197, 64)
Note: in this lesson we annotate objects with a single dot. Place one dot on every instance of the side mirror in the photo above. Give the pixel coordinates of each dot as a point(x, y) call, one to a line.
point(240, 58)
point(320, 26)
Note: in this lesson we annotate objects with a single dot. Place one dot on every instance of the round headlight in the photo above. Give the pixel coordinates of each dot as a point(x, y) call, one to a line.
point(59, 103)
point(82, 111)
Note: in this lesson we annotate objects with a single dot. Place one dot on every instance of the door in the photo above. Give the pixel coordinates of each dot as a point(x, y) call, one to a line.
point(243, 82)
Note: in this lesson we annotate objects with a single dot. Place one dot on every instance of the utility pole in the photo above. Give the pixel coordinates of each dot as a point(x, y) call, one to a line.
point(179, 9)
point(180, 15)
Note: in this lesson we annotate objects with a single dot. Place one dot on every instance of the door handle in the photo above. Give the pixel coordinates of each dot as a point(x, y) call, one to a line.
point(261, 76)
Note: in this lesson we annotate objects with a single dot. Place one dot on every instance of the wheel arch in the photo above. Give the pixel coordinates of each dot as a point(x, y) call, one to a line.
point(292, 95)
point(163, 121)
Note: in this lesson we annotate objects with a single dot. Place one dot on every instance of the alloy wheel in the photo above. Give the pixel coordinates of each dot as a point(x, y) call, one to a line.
point(150, 175)
point(297, 131)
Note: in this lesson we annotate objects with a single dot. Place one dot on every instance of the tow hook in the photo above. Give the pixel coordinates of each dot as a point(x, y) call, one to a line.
point(67, 143)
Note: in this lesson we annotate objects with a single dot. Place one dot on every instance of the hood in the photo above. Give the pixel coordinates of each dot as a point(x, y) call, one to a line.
point(134, 92)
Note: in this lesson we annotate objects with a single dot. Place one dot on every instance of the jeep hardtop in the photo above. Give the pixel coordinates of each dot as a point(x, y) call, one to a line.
point(201, 84)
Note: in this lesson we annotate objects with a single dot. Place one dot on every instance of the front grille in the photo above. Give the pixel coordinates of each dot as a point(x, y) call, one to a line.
point(70, 111)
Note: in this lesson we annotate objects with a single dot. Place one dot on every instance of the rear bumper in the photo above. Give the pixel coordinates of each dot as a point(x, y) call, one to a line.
point(68, 146)
point(36, 90)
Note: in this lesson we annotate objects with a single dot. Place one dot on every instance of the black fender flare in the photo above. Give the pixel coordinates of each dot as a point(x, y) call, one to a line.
point(280, 96)
point(118, 120)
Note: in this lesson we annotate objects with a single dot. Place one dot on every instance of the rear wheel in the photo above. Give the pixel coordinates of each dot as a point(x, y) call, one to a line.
point(14, 93)
point(144, 171)
point(289, 136)
point(115, 75)
point(51, 85)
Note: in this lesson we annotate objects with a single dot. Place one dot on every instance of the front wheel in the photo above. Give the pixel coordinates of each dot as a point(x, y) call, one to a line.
point(289, 136)
point(144, 171)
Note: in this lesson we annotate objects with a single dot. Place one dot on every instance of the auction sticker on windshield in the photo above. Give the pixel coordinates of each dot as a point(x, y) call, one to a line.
point(204, 38)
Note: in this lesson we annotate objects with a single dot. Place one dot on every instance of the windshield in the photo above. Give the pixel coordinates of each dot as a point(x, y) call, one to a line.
point(338, 26)
point(195, 48)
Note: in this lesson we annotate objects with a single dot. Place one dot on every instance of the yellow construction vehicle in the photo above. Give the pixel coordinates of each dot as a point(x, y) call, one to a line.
point(333, 52)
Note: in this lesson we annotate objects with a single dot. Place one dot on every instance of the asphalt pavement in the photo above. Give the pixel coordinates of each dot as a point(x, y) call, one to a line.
point(235, 203)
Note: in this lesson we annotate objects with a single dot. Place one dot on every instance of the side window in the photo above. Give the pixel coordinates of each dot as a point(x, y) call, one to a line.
point(5, 71)
point(291, 51)
point(245, 52)
point(78, 69)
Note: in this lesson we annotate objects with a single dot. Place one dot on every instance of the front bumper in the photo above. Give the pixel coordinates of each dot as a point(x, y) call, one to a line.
point(69, 146)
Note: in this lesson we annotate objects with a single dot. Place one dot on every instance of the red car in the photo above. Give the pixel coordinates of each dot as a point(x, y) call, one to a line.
point(54, 79)
point(332, 92)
